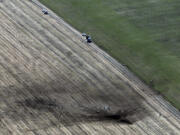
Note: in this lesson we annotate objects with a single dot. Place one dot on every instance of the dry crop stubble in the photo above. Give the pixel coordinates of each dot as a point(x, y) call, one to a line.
point(51, 83)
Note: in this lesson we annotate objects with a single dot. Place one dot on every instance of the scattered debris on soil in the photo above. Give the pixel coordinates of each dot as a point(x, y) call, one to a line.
point(45, 11)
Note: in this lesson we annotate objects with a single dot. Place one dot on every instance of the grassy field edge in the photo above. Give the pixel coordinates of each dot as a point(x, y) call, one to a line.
point(150, 60)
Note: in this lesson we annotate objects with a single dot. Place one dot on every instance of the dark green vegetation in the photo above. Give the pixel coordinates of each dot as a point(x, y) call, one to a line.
point(143, 34)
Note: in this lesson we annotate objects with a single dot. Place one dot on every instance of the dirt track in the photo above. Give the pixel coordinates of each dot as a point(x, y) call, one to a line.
point(52, 82)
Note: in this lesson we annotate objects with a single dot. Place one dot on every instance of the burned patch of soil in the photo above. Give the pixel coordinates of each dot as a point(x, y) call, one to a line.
point(68, 116)
point(71, 107)
point(121, 116)
point(39, 103)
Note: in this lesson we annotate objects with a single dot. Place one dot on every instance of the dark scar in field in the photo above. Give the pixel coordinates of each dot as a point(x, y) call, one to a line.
point(68, 110)
point(88, 115)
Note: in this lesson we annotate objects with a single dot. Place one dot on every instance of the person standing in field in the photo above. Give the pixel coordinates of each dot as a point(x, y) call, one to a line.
point(88, 38)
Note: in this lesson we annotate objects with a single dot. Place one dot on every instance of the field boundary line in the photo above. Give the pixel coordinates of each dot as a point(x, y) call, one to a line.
point(139, 86)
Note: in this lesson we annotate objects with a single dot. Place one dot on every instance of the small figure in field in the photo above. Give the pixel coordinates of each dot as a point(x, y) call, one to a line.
point(45, 11)
point(88, 38)
point(107, 108)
